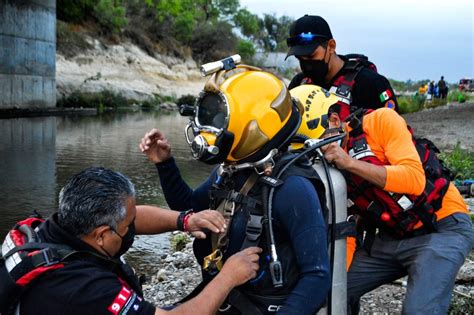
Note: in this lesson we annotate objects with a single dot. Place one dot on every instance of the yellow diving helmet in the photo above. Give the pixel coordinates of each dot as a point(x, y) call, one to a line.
point(242, 114)
point(316, 102)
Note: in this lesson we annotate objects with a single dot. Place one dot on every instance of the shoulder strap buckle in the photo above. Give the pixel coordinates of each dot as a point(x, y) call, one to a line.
point(46, 257)
point(254, 227)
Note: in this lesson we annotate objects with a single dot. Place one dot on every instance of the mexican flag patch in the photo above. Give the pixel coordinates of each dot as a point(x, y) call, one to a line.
point(385, 95)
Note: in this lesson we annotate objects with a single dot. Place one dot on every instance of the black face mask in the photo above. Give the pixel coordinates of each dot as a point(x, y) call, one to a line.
point(127, 241)
point(316, 70)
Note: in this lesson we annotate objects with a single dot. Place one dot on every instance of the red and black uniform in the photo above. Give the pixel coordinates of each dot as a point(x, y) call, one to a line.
point(369, 89)
point(83, 286)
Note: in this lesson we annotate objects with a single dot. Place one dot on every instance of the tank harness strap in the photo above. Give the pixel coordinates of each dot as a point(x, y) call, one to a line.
point(343, 85)
point(254, 228)
point(213, 262)
point(345, 229)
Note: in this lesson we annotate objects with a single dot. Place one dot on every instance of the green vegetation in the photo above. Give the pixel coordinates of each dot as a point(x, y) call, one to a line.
point(410, 104)
point(186, 99)
point(457, 96)
point(107, 100)
point(179, 241)
point(101, 100)
point(203, 28)
point(460, 162)
point(155, 102)
point(109, 14)
point(409, 85)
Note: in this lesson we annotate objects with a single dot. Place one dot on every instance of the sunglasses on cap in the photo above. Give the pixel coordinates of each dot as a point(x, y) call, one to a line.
point(306, 39)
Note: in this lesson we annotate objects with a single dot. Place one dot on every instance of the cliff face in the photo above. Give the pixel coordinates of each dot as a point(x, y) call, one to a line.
point(126, 69)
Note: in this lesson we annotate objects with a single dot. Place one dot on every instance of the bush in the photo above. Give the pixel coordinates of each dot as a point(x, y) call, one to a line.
point(213, 41)
point(246, 50)
point(186, 99)
point(410, 104)
point(460, 162)
point(457, 96)
point(100, 100)
point(179, 241)
point(110, 16)
point(74, 11)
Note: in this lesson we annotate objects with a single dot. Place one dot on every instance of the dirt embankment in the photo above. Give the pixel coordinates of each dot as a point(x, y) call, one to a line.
point(126, 69)
point(446, 125)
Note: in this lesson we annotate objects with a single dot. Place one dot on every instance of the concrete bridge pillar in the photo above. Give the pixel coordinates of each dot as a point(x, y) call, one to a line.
point(27, 53)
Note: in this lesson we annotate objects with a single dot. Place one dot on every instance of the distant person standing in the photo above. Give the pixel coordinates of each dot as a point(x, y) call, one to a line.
point(431, 91)
point(351, 77)
point(443, 88)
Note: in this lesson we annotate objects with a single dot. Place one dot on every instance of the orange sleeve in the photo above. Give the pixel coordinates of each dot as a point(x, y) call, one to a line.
point(388, 134)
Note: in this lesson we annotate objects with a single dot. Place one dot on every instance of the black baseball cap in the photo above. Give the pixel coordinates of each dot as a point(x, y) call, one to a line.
point(306, 34)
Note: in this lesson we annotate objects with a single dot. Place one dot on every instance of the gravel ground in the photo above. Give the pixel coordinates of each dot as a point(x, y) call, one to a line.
point(445, 125)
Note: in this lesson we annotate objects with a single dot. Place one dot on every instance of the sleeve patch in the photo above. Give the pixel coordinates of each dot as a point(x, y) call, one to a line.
point(124, 301)
point(385, 96)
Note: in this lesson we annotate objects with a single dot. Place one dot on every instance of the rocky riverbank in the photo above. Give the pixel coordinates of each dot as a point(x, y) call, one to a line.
point(173, 278)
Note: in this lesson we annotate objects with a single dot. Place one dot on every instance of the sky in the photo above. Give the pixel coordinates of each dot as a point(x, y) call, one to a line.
point(406, 39)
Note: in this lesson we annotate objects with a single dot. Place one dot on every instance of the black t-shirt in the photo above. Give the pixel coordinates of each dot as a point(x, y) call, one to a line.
point(81, 286)
point(370, 90)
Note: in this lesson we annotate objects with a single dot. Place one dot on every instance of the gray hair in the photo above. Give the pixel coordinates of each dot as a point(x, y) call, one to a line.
point(94, 197)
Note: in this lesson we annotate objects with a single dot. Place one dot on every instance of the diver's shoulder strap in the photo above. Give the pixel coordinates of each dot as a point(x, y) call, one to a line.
point(227, 207)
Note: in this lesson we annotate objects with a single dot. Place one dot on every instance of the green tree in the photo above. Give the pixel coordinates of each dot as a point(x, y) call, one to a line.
point(75, 11)
point(211, 42)
point(276, 32)
point(245, 49)
point(111, 15)
point(248, 23)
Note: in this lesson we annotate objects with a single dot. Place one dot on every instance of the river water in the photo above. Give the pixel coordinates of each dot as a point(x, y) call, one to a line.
point(38, 155)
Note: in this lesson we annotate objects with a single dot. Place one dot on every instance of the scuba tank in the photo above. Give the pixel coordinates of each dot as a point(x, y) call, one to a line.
point(335, 182)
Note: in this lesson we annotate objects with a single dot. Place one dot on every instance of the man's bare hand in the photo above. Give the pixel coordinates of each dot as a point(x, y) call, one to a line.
point(211, 220)
point(333, 153)
point(242, 266)
point(155, 146)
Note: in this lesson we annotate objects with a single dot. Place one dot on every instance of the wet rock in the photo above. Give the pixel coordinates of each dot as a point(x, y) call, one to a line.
point(161, 276)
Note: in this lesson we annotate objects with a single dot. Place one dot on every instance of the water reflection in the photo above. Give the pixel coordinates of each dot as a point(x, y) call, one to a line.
point(40, 154)
point(27, 170)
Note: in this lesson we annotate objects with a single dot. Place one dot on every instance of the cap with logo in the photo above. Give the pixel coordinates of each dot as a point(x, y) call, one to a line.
point(306, 34)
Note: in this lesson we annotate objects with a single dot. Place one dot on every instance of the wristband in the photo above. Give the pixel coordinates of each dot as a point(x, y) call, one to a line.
point(180, 220)
point(185, 221)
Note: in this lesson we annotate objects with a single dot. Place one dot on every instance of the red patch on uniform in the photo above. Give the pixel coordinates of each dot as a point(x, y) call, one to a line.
point(388, 93)
point(120, 300)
